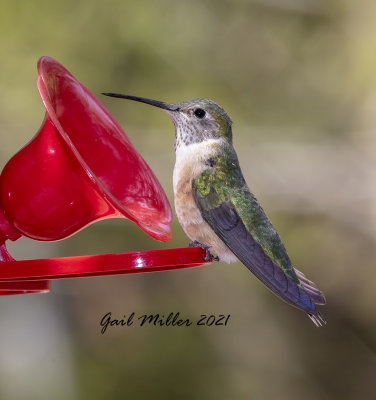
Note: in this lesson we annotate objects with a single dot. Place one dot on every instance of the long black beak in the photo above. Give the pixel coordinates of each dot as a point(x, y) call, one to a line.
point(160, 104)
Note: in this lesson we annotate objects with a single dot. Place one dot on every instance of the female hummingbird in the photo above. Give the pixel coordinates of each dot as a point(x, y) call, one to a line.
point(217, 210)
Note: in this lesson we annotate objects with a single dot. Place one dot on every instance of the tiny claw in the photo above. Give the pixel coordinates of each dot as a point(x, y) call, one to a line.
point(208, 256)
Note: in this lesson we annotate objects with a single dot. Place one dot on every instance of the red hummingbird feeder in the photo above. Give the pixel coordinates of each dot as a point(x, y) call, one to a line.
point(79, 168)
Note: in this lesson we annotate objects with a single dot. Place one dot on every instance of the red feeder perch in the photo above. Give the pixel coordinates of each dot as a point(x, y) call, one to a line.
point(79, 168)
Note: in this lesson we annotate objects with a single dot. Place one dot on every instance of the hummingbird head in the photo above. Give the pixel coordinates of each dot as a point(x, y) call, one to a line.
point(195, 120)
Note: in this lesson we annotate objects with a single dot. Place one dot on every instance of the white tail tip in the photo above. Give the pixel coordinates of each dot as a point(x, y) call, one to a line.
point(317, 319)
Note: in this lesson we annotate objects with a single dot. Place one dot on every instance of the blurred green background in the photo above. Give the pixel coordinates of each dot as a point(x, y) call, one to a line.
point(298, 79)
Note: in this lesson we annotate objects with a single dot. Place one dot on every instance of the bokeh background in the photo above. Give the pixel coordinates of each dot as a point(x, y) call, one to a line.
point(298, 77)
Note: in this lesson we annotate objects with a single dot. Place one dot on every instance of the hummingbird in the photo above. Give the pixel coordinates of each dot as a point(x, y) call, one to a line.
point(216, 208)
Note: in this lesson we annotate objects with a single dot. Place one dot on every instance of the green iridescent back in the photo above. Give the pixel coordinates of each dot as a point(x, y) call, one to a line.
point(224, 181)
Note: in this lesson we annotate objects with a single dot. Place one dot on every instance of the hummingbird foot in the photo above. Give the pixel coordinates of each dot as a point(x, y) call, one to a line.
point(208, 255)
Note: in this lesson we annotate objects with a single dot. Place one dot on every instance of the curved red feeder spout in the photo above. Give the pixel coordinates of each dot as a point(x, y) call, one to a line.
point(79, 168)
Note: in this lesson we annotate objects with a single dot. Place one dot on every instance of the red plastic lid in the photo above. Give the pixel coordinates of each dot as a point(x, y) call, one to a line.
point(32, 276)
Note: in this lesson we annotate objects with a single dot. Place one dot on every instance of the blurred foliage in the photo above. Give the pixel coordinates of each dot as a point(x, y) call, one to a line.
point(294, 70)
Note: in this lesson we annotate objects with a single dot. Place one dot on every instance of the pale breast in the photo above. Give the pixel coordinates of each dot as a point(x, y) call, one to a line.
point(190, 162)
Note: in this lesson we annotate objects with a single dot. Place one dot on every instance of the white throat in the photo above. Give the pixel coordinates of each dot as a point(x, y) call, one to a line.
point(191, 159)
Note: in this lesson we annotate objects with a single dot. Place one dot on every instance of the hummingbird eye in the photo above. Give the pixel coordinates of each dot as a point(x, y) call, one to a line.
point(199, 113)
